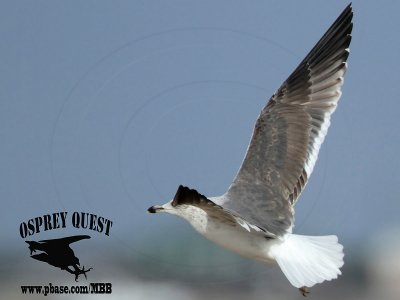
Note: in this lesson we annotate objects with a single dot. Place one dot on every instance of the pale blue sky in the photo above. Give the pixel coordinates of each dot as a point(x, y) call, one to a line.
point(107, 106)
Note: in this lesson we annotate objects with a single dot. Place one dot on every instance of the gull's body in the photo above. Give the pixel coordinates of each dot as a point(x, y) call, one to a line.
point(228, 233)
point(255, 216)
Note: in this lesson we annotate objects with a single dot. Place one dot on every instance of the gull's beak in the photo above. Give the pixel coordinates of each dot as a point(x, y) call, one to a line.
point(154, 209)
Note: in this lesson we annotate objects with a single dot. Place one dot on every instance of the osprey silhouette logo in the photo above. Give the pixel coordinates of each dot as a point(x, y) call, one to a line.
point(58, 253)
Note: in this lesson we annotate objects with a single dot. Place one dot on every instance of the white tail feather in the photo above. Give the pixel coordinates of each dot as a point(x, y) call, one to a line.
point(307, 260)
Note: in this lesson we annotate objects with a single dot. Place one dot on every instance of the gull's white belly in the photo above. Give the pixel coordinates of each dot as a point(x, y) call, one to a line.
point(251, 243)
point(244, 241)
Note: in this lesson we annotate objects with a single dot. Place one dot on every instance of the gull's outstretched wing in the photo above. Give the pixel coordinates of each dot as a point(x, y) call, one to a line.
point(289, 132)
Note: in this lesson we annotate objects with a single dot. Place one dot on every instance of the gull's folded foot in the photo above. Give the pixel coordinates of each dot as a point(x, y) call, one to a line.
point(304, 291)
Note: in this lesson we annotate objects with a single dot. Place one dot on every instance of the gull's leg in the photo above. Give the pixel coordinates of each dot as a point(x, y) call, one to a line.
point(304, 291)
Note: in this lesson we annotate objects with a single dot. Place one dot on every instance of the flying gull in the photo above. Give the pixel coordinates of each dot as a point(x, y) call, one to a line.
point(255, 216)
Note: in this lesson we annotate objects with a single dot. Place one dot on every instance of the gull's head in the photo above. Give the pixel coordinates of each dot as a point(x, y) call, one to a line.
point(155, 209)
point(185, 205)
point(167, 207)
point(183, 195)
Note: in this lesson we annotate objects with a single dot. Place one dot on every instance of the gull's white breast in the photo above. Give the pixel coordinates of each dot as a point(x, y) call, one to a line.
point(243, 240)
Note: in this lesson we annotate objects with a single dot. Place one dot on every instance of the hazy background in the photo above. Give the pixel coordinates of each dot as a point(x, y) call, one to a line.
point(107, 106)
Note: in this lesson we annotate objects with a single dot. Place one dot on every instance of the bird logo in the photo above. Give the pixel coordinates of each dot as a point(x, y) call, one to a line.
point(58, 253)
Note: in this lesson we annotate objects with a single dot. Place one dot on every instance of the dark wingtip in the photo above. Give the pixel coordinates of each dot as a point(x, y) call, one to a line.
point(185, 195)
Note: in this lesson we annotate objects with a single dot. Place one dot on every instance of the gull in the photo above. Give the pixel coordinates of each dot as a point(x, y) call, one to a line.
point(255, 216)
